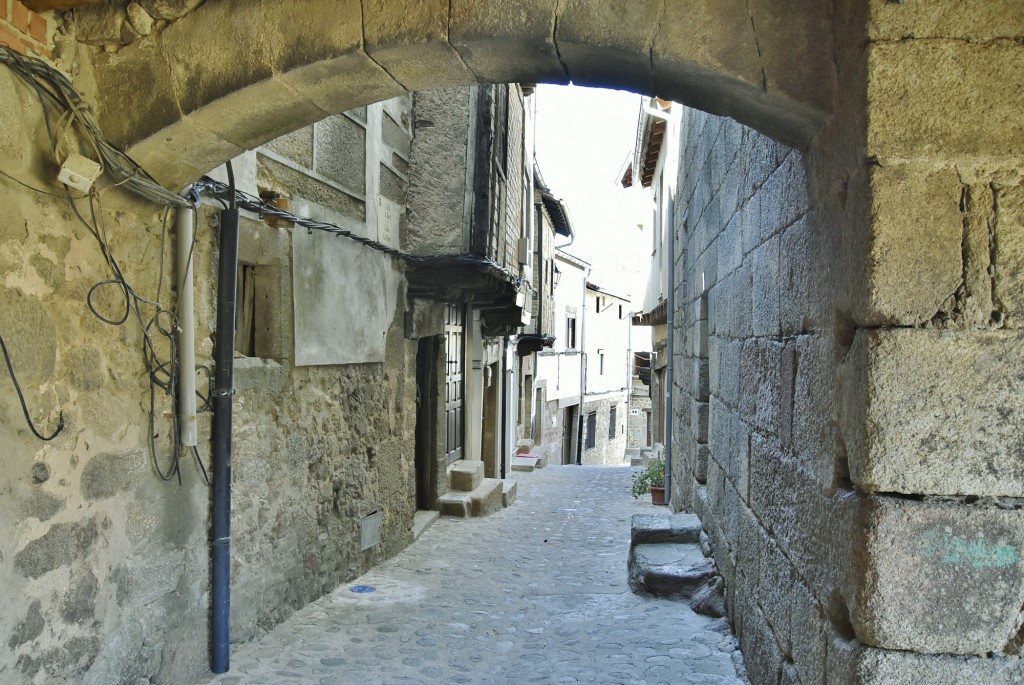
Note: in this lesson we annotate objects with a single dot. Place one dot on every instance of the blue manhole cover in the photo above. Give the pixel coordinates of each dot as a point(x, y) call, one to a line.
point(362, 589)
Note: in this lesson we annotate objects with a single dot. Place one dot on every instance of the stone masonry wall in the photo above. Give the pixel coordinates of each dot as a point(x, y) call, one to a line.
point(847, 386)
point(607, 451)
point(104, 572)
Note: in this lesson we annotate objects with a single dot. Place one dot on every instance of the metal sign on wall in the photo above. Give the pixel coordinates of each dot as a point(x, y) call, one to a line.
point(344, 295)
point(389, 221)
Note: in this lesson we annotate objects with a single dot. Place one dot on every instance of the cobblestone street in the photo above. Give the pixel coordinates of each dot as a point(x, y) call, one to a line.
point(535, 593)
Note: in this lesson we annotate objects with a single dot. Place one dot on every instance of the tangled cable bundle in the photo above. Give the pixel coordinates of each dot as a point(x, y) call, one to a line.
point(55, 92)
point(70, 125)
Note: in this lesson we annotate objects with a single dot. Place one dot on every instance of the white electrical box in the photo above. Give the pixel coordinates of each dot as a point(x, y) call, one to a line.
point(79, 172)
point(525, 253)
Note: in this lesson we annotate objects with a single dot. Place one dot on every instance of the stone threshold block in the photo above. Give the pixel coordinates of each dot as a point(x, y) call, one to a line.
point(666, 559)
point(677, 528)
point(524, 463)
point(421, 521)
point(528, 462)
point(669, 570)
point(509, 492)
point(485, 499)
point(936, 412)
point(465, 476)
point(938, 577)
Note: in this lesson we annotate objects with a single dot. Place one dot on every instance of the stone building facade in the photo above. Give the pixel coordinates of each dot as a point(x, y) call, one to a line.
point(846, 340)
point(105, 566)
point(607, 376)
point(559, 369)
point(471, 222)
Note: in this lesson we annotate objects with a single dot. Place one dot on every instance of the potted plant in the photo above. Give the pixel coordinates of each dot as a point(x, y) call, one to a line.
point(651, 478)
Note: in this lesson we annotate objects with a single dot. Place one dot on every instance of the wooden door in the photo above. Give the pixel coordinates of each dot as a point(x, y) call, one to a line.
point(455, 386)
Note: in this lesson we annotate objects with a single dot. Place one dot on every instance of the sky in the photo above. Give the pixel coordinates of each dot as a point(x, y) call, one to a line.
point(584, 137)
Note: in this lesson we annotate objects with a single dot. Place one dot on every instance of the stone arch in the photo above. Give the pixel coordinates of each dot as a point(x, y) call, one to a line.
point(766, 63)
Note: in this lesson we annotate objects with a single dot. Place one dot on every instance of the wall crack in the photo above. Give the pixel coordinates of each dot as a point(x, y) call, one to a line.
point(760, 52)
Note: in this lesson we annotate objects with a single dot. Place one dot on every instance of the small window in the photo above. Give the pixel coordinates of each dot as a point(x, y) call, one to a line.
point(257, 311)
point(245, 311)
point(591, 439)
point(611, 422)
point(600, 362)
point(570, 331)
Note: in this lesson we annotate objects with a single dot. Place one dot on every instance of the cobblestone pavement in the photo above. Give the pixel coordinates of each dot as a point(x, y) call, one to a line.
point(535, 593)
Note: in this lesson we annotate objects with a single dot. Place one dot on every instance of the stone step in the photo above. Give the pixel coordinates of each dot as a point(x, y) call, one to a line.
point(524, 463)
point(485, 499)
point(654, 528)
point(679, 571)
point(421, 521)
point(465, 476)
point(509, 492)
point(455, 504)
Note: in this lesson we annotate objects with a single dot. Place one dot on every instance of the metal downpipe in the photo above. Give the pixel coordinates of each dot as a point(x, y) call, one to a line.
point(670, 363)
point(224, 353)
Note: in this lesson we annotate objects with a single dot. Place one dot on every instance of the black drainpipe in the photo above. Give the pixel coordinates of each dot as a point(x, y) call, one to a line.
point(224, 359)
point(670, 363)
point(504, 405)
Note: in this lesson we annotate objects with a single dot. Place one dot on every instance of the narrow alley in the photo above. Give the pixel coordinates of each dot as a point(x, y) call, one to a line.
point(535, 593)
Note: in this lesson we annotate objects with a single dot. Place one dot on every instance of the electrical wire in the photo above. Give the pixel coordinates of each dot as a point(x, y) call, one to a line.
point(56, 93)
point(24, 405)
point(74, 119)
point(222, 192)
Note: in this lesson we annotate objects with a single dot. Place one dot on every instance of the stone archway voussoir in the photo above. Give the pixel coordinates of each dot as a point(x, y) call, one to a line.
point(609, 44)
point(195, 152)
point(343, 83)
point(697, 86)
point(410, 41)
point(507, 41)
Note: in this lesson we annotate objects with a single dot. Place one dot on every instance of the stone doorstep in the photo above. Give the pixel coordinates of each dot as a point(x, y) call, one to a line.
point(465, 476)
point(523, 463)
point(454, 504)
point(422, 520)
point(675, 528)
point(672, 570)
point(485, 499)
point(509, 492)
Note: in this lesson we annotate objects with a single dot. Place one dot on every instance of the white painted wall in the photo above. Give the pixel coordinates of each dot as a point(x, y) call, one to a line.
point(560, 366)
point(607, 334)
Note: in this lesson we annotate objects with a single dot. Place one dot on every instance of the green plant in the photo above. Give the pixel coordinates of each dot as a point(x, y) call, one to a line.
point(651, 475)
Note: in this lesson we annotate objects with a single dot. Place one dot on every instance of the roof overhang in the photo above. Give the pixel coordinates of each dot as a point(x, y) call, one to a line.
point(465, 278)
point(555, 208)
point(656, 317)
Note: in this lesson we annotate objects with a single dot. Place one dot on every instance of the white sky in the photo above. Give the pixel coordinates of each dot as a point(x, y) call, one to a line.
point(584, 136)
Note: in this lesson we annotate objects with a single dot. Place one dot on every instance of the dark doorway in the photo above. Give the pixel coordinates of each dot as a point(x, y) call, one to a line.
point(426, 421)
point(568, 431)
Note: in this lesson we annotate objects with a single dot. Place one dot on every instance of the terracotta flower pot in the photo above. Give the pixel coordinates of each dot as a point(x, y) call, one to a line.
point(657, 495)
